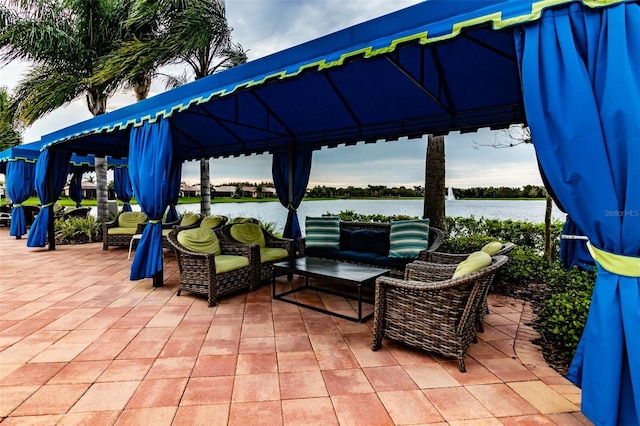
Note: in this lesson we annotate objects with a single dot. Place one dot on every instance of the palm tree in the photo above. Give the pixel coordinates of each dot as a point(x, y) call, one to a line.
point(10, 127)
point(191, 32)
point(64, 39)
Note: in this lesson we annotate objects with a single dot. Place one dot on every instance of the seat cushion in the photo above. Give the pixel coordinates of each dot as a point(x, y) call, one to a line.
point(322, 252)
point(473, 263)
point(367, 241)
point(269, 254)
point(211, 222)
point(121, 231)
point(323, 231)
point(356, 256)
point(200, 240)
point(248, 233)
point(131, 219)
point(492, 248)
point(391, 262)
point(189, 218)
point(345, 239)
point(242, 220)
point(228, 263)
point(408, 238)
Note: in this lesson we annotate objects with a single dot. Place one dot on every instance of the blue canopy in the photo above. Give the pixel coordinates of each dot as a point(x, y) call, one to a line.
point(446, 65)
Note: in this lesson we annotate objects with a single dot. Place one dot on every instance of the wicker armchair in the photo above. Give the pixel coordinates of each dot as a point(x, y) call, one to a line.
point(198, 273)
point(214, 221)
point(429, 309)
point(455, 258)
point(82, 212)
point(121, 230)
point(268, 249)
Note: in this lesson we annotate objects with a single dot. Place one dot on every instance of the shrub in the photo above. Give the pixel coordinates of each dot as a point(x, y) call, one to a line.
point(78, 230)
point(562, 317)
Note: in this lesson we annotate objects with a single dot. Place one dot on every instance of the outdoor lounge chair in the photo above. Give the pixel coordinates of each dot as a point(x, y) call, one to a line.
point(268, 249)
point(82, 212)
point(209, 264)
point(456, 258)
point(429, 309)
point(121, 230)
point(213, 221)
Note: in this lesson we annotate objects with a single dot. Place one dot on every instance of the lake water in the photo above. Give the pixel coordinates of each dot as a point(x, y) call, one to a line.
point(273, 212)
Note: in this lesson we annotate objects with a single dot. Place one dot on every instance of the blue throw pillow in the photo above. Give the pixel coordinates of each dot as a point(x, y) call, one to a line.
point(345, 239)
point(322, 232)
point(408, 237)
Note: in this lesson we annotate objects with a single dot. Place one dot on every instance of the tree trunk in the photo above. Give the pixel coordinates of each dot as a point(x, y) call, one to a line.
point(97, 103)
point(205, 187)
point(102, 195)
point(434, 189)
point(547, 229)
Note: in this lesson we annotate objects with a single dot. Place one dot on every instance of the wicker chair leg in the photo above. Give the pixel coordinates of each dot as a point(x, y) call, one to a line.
point(461, 365)
point(479, 324)
point(178, 293)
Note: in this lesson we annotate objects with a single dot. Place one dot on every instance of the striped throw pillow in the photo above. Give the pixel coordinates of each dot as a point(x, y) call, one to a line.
point(408, 238)
point(322, 232)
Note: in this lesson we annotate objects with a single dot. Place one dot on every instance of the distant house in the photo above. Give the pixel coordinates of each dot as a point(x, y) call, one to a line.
point(225, 191)
point(90, 191)
point(189, 190)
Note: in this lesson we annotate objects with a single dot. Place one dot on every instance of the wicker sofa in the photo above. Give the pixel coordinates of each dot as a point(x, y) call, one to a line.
point(367, 243)
point(431, 310)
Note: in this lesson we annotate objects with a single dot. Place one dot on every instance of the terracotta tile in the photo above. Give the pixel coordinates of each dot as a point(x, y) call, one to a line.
point(122, 370)
point(156, 416)
point(569, 419)
point(213, 415)
point(339, 359)
point(220, 347)
point(501, 400)
point(368, 358)
point(456, 404)
point(431, 376)
point(508, 370)
point(327, 342)
point(344, 382)
point(32, 374)
point(476, 373)
point(181, 348)
point(257, 363)
point(289, 362)
point(482, 351)
point(406, 355)
point(475, 422)
point(534, 420)
point(291, 328)
point(80, 372)
point(215, 365)
point(44, 420)
point(409, 407)
point(389, 379)
point(158, 393)
point(293, 344)
point(165, 368)
point(541, 396)
point(255, 413)
point(106, 397)
point(142, 349)
point(365, 409)
point(257, 345)
point(13, 396)
point(208, 390)
point(304, 384)
point(51, 399)
point(256, 387)
point(96, 418)
point(309, 411)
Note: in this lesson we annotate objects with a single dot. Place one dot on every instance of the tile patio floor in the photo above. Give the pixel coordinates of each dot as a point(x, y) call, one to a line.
point(82, 344)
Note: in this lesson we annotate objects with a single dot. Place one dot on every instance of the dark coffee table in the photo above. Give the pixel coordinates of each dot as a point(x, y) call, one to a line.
point(338, 273)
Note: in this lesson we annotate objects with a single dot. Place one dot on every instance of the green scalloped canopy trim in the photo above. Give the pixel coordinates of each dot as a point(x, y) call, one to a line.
point(422, 37)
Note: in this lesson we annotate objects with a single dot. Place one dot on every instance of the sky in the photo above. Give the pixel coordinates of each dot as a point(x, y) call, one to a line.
point(263, 27)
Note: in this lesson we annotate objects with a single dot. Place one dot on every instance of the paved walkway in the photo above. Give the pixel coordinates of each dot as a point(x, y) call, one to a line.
point(82, 344)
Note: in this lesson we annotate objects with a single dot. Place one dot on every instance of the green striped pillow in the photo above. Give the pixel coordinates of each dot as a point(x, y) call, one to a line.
point(408, 238)
point(323, 232)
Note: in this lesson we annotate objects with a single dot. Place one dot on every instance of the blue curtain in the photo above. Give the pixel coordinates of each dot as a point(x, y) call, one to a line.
point(175, 176)
point(75, 187)
point(51, 176)
point(20, 184)
point(581, 85)
point(122, 186)
point(294, 164)
point(150, 155)
point(574, 252)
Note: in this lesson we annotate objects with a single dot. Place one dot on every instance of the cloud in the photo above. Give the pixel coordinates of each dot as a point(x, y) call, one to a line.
point(268, 26)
